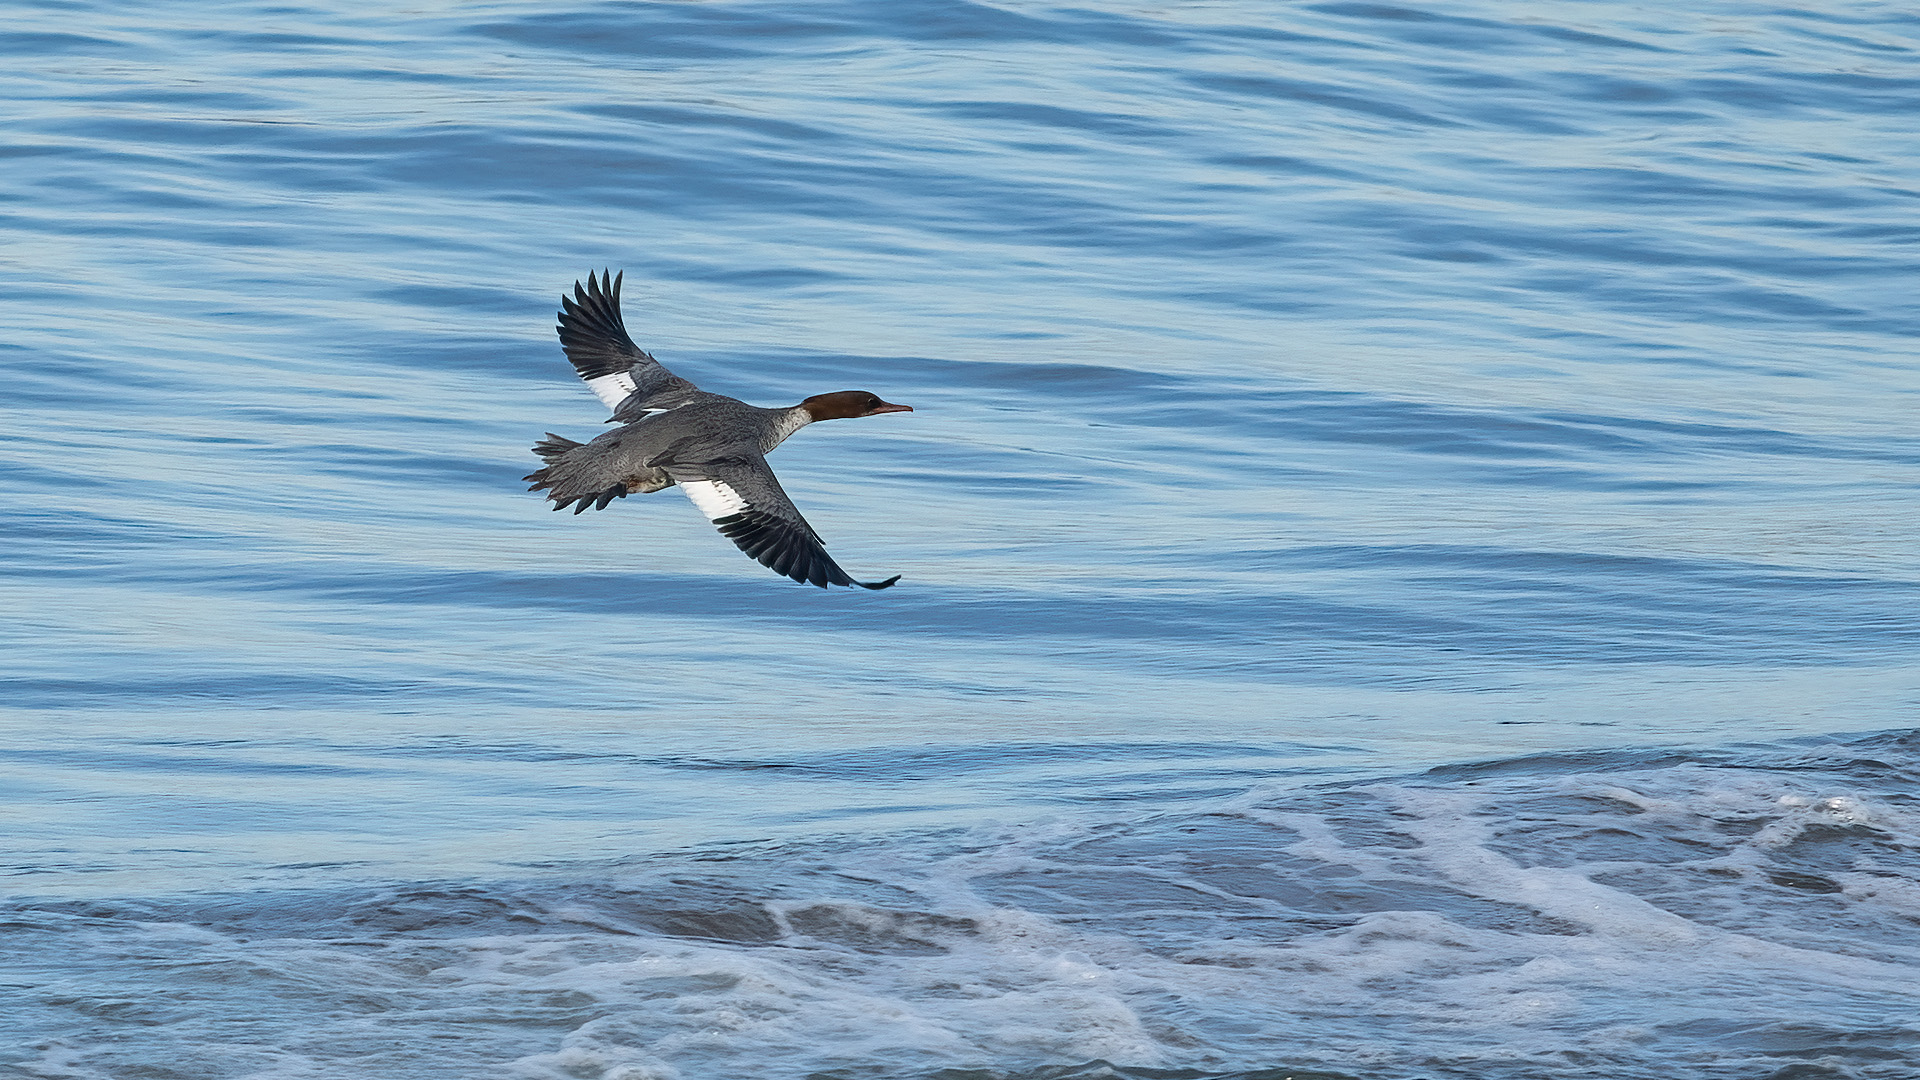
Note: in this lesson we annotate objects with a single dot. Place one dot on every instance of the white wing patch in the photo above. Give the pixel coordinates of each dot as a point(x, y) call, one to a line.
point(612, 389)
point(714, 498)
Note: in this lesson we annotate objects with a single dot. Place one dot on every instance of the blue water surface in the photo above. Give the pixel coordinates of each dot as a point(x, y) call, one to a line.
point(1408, 535)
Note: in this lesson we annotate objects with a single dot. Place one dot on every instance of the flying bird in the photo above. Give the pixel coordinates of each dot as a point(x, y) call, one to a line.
point(672, 433)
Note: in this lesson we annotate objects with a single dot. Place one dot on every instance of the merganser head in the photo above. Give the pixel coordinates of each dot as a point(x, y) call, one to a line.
point(844, 404)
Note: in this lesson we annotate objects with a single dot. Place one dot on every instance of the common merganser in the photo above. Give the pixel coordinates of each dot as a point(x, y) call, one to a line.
point(673, 432)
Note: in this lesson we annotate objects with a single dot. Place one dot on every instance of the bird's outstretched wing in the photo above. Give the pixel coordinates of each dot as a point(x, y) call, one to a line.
point(615, 369)
point(744, 501)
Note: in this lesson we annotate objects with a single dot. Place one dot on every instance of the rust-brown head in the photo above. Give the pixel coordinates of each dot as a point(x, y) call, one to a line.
point(843, 404)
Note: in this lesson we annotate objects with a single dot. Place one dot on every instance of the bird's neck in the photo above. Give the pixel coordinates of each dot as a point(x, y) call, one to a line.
point(786, 422)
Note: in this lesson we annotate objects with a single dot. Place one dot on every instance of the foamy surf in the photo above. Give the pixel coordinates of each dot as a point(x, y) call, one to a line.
point(1736, 913)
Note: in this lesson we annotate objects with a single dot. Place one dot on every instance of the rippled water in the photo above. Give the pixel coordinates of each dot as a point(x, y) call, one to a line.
point(1407, 534)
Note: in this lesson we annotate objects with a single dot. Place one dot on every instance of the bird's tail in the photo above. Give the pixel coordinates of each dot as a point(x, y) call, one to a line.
point(553, 448)
point(581, 476)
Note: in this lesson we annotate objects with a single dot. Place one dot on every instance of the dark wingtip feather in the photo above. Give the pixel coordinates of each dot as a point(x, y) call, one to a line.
point(591, 329)
point(787, 548)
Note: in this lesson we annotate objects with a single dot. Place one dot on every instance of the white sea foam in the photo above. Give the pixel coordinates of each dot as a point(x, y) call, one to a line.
point(1620, 923)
